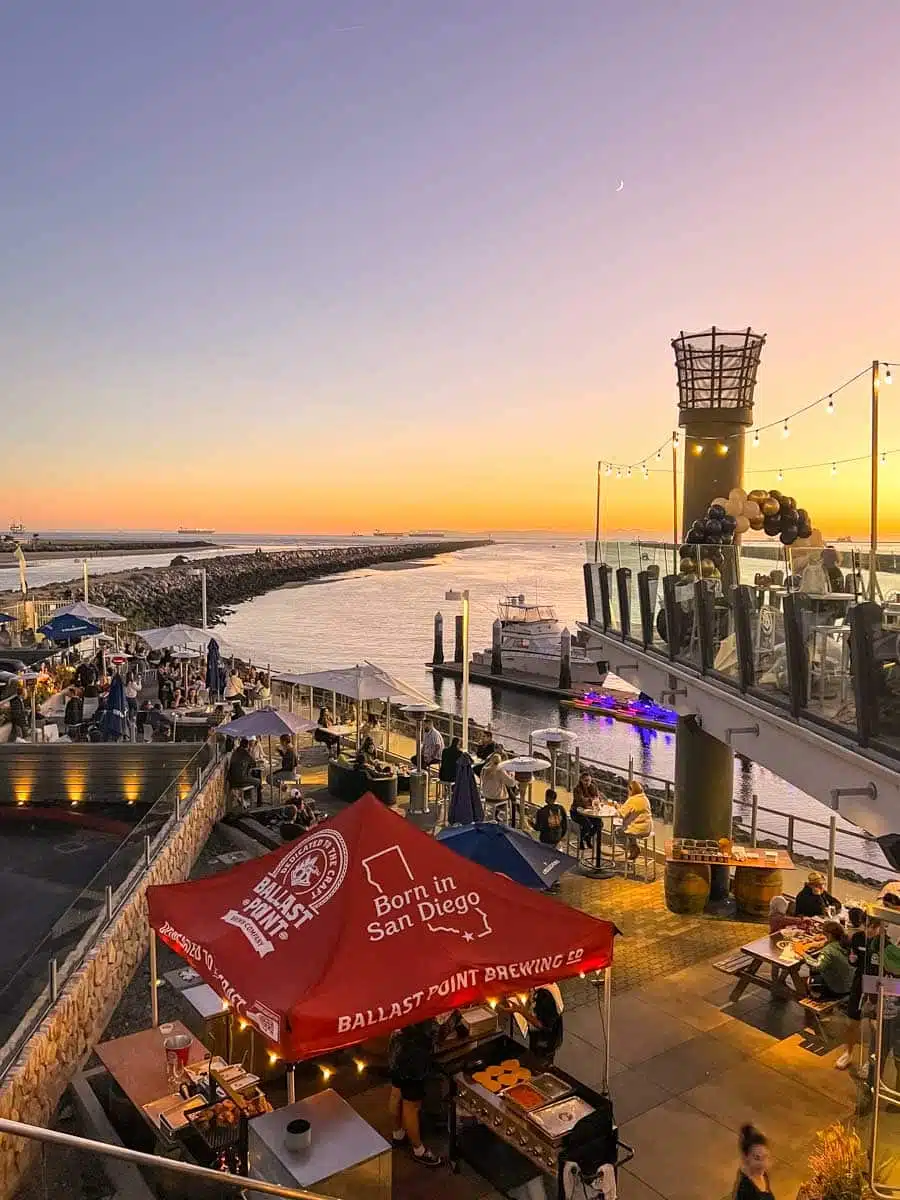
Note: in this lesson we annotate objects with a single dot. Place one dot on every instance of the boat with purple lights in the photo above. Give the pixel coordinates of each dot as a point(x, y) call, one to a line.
point(638, 710)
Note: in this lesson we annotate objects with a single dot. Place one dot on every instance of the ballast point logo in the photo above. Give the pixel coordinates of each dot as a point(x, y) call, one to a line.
point(403, 901)
point(290, 895)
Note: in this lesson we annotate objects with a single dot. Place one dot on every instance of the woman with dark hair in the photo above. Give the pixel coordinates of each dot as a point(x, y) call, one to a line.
point(752, 1181)
point(832, 973)
point(331, 740)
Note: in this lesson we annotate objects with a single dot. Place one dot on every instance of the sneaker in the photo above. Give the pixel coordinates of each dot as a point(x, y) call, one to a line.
point(428, 1158)
point(844, 1061)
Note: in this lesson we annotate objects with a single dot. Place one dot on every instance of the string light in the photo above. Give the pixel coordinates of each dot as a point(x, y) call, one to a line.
point(628, 472)
point(834, 469)
point(659, 456)
point(608, 469)
point(755, 437)
point(618, 472)
point(888, 378)
point(360, 1065)
point(326, 1073)
point(721, 449)
point(785, 431)
point(273, 1058)
point(780, 474)
point(829, 407)
point(675, 439)
point(883, 459)
point(697, 448)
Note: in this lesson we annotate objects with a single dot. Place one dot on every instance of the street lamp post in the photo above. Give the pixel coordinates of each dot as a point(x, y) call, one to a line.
point(201, 571)
point(463, 597)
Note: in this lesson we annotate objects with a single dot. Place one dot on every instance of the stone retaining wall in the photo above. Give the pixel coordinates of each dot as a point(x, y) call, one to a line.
point(34, 1085)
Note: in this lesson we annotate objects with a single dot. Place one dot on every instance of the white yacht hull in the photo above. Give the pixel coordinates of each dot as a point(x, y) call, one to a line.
point(543, 668)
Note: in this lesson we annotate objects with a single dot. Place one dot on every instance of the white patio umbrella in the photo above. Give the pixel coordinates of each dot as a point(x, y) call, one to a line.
point(364, 681)
point(268, 723)
point(89, 612)
point(171, 637)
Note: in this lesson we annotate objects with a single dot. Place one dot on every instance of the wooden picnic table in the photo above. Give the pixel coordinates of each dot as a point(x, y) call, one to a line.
point(784, 961)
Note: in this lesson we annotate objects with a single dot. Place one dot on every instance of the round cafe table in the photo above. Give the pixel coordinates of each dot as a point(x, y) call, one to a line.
point(601, 813)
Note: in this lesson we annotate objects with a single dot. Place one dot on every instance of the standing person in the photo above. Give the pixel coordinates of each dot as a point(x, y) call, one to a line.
point(637, 818)
point(74, 715)
point(550, 821)
point(540, 1015)
point(496, 783)
point(132, 691)
point(410, 1060)
point(856, 920)
point(18, 715)
point(752, 1181)
point(432, 745)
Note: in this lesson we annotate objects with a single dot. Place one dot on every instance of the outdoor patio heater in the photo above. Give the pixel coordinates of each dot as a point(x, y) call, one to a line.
point(716, 380)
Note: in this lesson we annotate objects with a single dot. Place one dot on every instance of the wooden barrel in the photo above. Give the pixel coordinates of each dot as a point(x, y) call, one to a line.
point(687, 887)
point(754, 888)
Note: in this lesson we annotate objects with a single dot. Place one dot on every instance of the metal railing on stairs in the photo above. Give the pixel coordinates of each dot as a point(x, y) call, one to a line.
point(139, 1159)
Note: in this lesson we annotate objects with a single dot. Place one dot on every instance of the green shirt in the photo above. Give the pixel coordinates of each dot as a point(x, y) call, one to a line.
point(834, 968)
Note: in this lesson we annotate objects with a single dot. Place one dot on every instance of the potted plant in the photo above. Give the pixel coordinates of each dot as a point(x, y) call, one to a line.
point(837, 1167)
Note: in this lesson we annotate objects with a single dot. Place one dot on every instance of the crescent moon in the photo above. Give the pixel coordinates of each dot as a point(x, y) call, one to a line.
point(620, 185)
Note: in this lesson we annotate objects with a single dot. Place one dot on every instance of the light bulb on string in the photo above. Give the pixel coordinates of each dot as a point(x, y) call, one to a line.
point(833, 469)
point(785, 431)
point(888, 378)
point(618, 472)
point(829, 407)
point(628, 472)
point(883, 458)
point(659, 456)
point(755, 437)
point(675, 439)
point(780, 474)
point(608, 469)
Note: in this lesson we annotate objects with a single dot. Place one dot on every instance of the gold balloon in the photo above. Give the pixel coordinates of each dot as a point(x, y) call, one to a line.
point(687, 566)
point(751, 508)
point(758, 495)
point(756, 522)
point(770, 507)
point(707, 566)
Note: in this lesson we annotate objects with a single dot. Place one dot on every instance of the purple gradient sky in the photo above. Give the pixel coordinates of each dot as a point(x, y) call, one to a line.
point(225, 219)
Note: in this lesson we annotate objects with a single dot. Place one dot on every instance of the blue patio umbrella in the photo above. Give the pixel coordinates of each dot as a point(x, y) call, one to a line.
point(509, 852)
point(114, 721)
point(213, 659)
point(465, 799)
point(68, 628)
point(5, 617)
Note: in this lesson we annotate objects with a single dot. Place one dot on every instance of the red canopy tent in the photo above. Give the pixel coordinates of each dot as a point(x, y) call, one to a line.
point(366, 924)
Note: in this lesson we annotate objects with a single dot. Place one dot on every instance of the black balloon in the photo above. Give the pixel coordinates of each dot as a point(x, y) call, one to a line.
point(776, 495)
point(804, 529)
point(715, 512)
point(698, 525)
point(772, 525)
point(803, 515)
point(790, 501)
point(714, 524)
point(729, 524)
point(695, 538)
point(789, 535)
point(790, 516)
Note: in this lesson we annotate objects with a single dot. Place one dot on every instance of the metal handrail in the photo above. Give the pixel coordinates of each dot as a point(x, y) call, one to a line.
point(138, 1158)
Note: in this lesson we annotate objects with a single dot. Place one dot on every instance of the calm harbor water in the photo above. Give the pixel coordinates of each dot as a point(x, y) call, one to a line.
point(384, 615)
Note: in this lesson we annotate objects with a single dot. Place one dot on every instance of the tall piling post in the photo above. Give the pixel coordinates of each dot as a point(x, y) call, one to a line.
point(565, 661)
point(437, 656)
point(716, 382)
point(458, 639)
point(496, 643)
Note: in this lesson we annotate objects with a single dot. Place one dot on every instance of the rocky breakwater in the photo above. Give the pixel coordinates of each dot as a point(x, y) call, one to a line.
point(151, 596)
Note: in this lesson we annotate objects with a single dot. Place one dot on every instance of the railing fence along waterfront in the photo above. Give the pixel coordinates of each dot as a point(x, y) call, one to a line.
point(820, 656)
point(29, 993)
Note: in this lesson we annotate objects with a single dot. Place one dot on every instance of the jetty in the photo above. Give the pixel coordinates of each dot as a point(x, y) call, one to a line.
point(167, 595)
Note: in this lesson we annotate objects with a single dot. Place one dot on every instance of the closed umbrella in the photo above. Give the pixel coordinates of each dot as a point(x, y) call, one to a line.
point(213, 659)
point(465, 799)
point(505, 850)
point(114, 722)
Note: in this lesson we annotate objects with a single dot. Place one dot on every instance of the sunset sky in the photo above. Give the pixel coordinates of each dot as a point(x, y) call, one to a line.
point(285, 265)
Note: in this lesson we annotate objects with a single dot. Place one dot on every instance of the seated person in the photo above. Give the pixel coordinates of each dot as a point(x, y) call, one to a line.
point(812, 899)
point(371, 730)
point(288, 755)
point(781, 917)
point(298, 818)
point(637, 818)
point(550, 822)
point(331, 740)
point(832, 972)
point(242, 772)
point(263, 691)
point(449, 762)
point(586, 795)
point(366, 760)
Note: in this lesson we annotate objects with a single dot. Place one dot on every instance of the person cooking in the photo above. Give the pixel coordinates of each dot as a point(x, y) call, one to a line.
point(812, 899)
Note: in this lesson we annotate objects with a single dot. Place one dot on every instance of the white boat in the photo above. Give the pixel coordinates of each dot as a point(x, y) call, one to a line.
point(530, 647)
point(16, 527)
